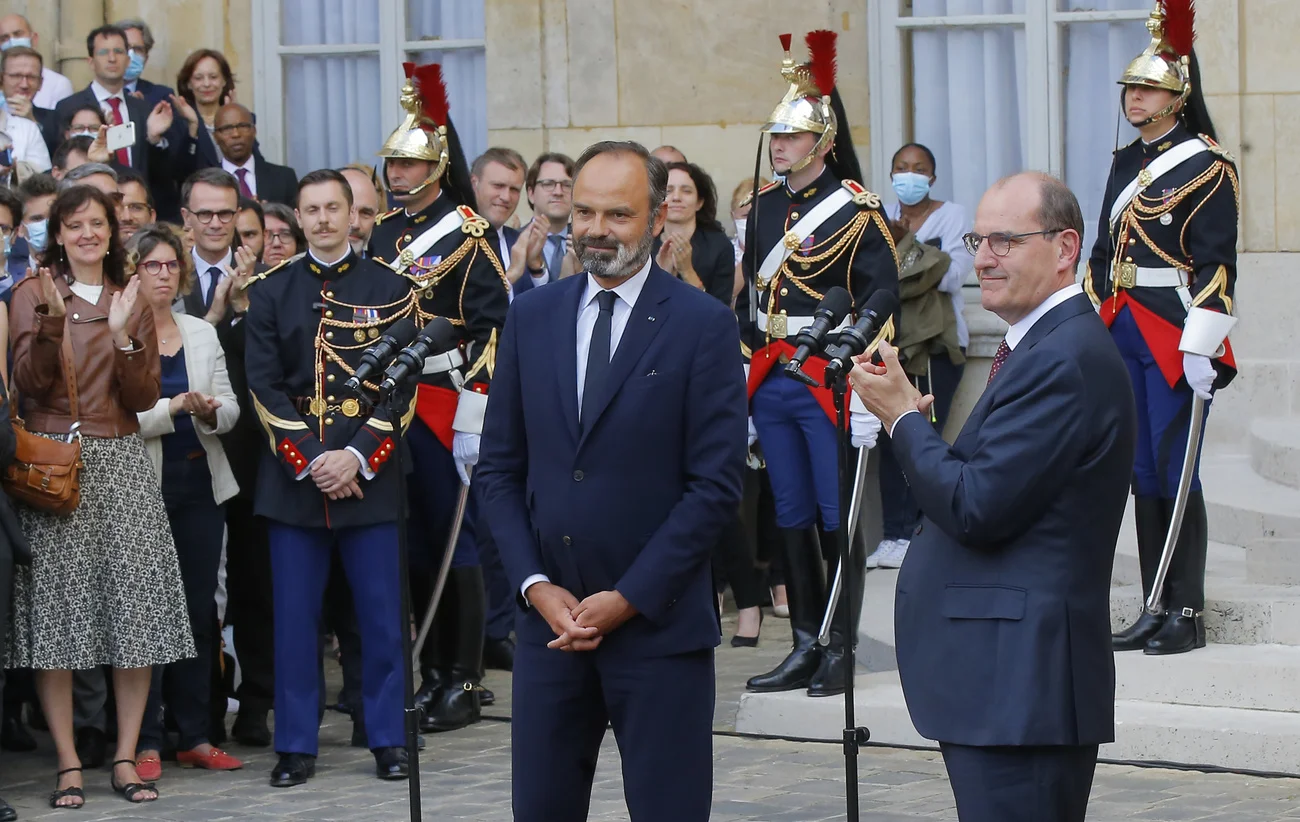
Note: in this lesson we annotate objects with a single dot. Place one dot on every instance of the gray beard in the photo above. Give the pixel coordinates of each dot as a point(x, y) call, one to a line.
point(625, 263)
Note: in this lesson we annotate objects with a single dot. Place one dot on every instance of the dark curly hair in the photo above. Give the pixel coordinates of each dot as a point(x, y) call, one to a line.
point(707, 216)
point(68, 203)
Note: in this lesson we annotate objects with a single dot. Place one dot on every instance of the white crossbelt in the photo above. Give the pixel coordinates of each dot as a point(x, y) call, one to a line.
point(794, 325)
point(802, 230)
point(1160, 278)
point(1165, 162)
point(444, 362)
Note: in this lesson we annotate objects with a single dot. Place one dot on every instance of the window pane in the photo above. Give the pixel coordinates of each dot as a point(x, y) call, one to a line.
point(328, 22)
point(333, 111)
point(444, 19)
point(968, 101)
point(465, 73)
point(943, 8)
point(1104, 5)
point(1093, 55)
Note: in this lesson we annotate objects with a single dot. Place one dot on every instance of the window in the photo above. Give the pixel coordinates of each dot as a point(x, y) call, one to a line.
point(330, 72)
point(998, 86)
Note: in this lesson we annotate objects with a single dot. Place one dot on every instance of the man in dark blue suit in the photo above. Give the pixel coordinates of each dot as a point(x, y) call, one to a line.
point(612, 457)
point(1002, 615)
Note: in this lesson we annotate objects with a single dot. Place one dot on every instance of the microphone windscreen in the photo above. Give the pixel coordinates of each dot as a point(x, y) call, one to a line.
point(882, 303)
point(838, 301)
point(439, 334)
point(403, 331)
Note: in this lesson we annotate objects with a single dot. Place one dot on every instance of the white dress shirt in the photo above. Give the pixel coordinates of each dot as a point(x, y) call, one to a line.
point(588, 310)
point(201, 266)
point(54, 87)
point(103, 95)
point(26, 141)
point(1020, 329)
point(250, 178)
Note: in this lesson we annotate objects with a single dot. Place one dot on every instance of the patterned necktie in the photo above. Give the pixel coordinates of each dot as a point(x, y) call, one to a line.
point(214, 276)
point(557, 255)
point(999, 358)
point(242, 174)
point(123, 156)
point(593, 387)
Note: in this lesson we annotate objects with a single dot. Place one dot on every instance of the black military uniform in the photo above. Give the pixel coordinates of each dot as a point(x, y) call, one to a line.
point(307, 326)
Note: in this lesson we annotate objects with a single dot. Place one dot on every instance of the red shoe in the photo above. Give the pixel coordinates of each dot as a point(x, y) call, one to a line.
point(149, 768)
point(214, 760)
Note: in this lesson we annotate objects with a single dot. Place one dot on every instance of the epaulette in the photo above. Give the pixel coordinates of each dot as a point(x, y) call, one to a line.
point(473, 224)
point(861, 196)
point(271, 270)
point(1215, 148)
point(772, 186)
point(386, 215)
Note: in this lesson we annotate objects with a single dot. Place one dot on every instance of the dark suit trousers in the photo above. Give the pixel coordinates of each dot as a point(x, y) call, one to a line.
point(1020, 784)
point(250, 612)
point(661, 710)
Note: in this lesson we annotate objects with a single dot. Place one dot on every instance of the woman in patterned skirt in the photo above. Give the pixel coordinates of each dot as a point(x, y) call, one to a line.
point(104, 586)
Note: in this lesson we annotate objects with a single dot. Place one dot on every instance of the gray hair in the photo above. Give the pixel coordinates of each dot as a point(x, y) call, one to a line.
point(81, 172)
point(1058, 208)
point(145, 34)
point(656, 171)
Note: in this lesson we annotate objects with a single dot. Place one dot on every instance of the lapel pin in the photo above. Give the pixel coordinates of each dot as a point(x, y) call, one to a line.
point(651, 318)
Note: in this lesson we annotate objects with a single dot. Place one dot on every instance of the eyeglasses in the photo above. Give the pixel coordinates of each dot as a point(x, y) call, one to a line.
point(205, 217)
point(155, 267)
point(549, 185)
point(31, 78)
point(233, 127)
point(1000, 241)
point(136, 208)
point(106, 52)
point(282, 237)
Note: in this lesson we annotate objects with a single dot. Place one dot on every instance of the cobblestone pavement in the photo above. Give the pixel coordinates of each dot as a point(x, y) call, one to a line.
point(466, 775)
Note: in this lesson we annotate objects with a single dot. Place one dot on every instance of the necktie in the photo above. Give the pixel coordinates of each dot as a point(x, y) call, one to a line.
point(557, 255)
point(123, 156)
point(999, 359)
point(242, 174)
point(214, 276)
point(593, 387)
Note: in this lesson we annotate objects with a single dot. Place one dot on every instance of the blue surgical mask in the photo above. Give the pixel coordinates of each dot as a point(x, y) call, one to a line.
point(16, 41)
point(911, 187)
point(135, 67)
point(9, 244)
point(37, 235)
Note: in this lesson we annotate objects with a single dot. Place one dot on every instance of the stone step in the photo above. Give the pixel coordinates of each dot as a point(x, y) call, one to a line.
point(1243, 506)
point(1255, 677)
point(1236, 612)
point(1237, 738)
point(1275, 449)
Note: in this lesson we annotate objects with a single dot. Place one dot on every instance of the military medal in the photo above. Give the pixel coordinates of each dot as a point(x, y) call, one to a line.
point(372, 333)
point(1166, 219)
point(359, 335)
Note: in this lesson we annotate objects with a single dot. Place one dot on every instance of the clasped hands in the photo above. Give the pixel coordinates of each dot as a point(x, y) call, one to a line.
point(579, 626)
point(885, 389)
point(335, 474)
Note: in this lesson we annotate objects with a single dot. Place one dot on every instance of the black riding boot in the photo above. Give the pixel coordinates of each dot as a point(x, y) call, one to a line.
point(833, 674)
point(435, 656)
point(1152, 515)
point(459, 705)
point(805, 586)
point(1184, 627)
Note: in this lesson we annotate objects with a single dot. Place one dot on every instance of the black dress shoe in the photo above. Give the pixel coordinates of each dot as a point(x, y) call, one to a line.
point(499, 654)
point(430, 691)
point(392, 763)
point(486, 697)
point(832, 675)
point(92, 747)
point(251, 728)
point(7, 814)
point(15, 737)
point(458, 708)
point(1183, 631)
point(795, 671)
point(293, 769)
point(1135, 636)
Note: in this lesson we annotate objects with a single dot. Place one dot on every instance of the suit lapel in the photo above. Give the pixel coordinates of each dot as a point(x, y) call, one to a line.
point(567, 360)
point(647, 317)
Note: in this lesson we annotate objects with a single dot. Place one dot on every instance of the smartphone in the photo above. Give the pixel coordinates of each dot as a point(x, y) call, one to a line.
point(122, 136)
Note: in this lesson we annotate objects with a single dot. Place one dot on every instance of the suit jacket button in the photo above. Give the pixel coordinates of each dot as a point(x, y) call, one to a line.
point(568, 541)
point(577, 476)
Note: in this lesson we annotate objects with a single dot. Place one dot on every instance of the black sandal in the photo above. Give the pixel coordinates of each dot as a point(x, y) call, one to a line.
point(75, 793)
point(132, 789)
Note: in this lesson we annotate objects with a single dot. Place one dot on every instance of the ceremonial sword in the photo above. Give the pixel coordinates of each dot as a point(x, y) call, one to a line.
point(1180, 504)
point(855, 508)
point(462, 501)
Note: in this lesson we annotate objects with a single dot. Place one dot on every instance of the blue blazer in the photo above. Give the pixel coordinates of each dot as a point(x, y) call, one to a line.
point(637, 502)
point(525, 282)
point(1002, 617)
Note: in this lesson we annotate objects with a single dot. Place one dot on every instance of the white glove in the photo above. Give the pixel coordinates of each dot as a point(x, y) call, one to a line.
point(864, 428)
point(464, 450)
point(1200, 374)
point(753, 432)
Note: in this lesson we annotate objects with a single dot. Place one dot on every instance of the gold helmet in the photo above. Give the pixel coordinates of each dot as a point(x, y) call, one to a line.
point(1164, 64)
point(422, 135)
point(806, 106)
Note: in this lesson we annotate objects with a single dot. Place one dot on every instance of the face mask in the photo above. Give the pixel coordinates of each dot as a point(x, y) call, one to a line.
point(8, 246)
point(740, 228)
point(911, 187)
point(17, 41)
point(135, 67)
point(82, 132)
point(37, 236)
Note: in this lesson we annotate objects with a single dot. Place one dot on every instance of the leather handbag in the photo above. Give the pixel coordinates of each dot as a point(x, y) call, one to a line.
point(45, 473)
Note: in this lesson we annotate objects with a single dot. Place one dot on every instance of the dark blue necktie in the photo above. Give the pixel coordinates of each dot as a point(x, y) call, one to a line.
point(593, 387)
point(214, 274)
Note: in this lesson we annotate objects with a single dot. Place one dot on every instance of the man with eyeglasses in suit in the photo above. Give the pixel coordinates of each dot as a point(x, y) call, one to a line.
point(550, 194)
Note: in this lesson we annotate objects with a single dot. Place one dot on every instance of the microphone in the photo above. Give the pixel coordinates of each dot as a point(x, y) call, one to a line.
point(854, 340)
point(439, 335)
point(374, 359)
point(830, 312)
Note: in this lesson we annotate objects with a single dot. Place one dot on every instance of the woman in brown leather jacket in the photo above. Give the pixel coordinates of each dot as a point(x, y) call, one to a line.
point(104, 585)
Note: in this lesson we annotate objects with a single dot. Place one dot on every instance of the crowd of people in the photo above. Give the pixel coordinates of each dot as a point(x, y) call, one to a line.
point(128, 269)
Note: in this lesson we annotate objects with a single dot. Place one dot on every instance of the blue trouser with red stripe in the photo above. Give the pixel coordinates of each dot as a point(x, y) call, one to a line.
point(798, 443)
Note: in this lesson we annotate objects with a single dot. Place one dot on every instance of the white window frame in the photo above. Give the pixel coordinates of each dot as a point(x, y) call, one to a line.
point(1043, 26)
point(269, 54)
